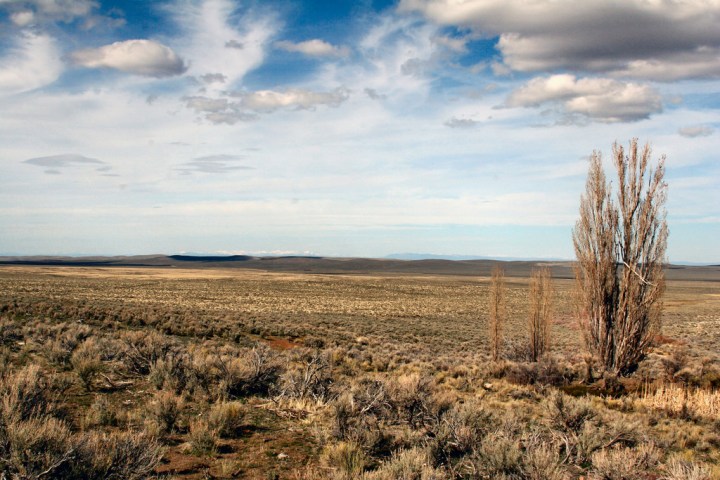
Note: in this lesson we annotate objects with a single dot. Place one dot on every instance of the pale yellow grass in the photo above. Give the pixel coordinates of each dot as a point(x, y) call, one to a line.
point(678, 399)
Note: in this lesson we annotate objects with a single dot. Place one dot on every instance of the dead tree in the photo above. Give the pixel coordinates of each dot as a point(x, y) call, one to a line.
point(540, 313)
point(497, 312)
point(620, 248)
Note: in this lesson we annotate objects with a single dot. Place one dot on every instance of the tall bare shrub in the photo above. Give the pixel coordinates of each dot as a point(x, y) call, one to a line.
point(540, 313)
point(620, 248)
point(497, 311)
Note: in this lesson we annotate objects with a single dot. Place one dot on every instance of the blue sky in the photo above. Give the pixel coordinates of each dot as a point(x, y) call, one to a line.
point(346, 128)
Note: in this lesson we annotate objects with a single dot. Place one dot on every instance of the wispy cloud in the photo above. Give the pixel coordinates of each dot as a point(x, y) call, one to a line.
point(55, 164)
point(33, 62)
point(222, 163)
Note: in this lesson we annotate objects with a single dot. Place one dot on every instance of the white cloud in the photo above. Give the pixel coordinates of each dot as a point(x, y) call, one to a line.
point(34, 62)
point(696, 131)
point(269, 100)
point(139, 57)
point(313, 48)
point(645, 39)
point(599, 99)
point(22, 18)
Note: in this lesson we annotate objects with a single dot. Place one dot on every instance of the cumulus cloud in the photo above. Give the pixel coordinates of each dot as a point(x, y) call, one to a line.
point(32, 63)
point(313, 48)
point(222, 163)
point(139, 57)
point(22, 18)
point(270, 100)
point(696, 131)
point(599, 99)
point(644, 39)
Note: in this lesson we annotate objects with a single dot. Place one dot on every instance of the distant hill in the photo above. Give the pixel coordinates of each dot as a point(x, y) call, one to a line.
point(335, 266)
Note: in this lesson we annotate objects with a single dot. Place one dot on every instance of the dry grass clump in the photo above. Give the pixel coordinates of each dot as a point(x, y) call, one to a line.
point(203, 440)
point(410, 464)
point(620, 463)
point(682, 401)
point(346, 459)
point(226, 418)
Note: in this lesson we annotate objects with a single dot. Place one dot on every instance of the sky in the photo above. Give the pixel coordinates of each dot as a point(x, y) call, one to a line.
point(338, 128)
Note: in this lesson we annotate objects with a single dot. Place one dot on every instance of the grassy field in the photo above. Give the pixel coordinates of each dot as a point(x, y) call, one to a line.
point(241, 373)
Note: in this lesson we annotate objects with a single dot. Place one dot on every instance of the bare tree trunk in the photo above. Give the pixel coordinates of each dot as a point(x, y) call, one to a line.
point(497, 312)
point(620, 249)
point(540, 313)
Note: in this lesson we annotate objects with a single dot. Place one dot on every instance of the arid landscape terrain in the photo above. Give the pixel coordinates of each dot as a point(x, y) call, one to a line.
point(338, 368)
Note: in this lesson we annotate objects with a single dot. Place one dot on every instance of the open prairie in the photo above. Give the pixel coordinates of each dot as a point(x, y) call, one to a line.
point(250, 373)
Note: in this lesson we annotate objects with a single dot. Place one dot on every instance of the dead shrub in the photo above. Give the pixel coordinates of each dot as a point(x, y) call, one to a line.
point(254, 372)
point(35, 448)
point(118, 455)
point(25, 394)
point(410, 398)
point(459, 432)
point(311, 379)
point(141, 349)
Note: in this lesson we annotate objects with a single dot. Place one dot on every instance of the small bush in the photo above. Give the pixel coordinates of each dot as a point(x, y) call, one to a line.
point(411, 464)
point(31, 447)
point(24, 394)
point(203, 440)
point(226, 418)
point(101, 413)
point(87, 363)
point(165, 410)
point(625, 463)
point(346, 458)
point(124, 455)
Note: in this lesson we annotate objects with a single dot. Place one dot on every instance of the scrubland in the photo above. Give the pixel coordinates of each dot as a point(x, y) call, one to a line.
point(170, 373)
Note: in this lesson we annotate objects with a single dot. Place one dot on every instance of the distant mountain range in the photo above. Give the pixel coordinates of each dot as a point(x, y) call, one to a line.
point(333, 265)
point(432, 256)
